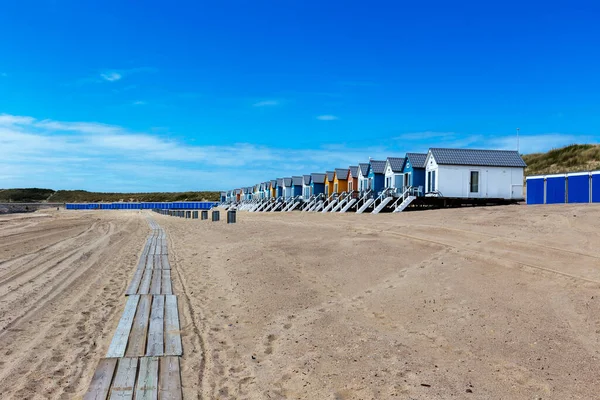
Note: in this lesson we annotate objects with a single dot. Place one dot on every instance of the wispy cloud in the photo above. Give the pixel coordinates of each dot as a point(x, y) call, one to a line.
point(327, 118)
point(527, 143)
point(96, 156)
point(139, 103)
point(266, 103)
point(63, 154)
point(3, 74)
point(111, 76)
point(115, 75)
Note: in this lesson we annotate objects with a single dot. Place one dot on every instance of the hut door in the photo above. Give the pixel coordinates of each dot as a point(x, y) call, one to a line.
point(474, 182)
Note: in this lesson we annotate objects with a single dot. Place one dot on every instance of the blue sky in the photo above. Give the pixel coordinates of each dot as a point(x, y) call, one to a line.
point(169, 96)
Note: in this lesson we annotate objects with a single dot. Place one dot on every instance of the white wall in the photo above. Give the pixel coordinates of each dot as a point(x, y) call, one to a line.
point(494, 182)
point(395, 178)
point(363, 181)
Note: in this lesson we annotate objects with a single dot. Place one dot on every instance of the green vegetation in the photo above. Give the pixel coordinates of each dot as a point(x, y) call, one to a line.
point(573, 158)
point(25, 195)
point(81, 196)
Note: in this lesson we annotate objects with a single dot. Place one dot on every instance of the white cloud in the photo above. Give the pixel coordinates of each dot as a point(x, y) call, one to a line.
point(139, 103)
point(111, 76)
point(327, 118)
point(96, 156)
point(3, 74)
point(61, 154)
point(266, 103)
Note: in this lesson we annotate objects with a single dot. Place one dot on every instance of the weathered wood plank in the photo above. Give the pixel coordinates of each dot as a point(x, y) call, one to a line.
point(157, 261)
point(147, 384)
point(166, 282)
point(165, 249)
point(135, 282)
point(124, 382)
point(154, 245)
point(172, 334)
point(156, 281)
point(146, 281)
point(155, 345)
point(165, 262)
point(101, 380)
point(119, 341)
point(150, 261)
point(170, 379)
point(142, 262)
point(139, 331)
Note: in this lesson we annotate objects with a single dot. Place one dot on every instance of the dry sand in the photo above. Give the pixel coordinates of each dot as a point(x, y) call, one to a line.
point(480, 303)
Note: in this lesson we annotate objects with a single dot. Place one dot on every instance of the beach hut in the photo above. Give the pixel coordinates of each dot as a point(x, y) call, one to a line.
point(352, 178)
point(238, 195)
point(273, 189)
point(288, 188)
point(223, 197)
point(376, 175)
point(317, 183)
point(306, 186)
point(340, 180)
point(297, 183)
point(279, 189)
point(363, 176)
point(413, 171)
point(329, 175)
point(393, 172)
point(468, 173)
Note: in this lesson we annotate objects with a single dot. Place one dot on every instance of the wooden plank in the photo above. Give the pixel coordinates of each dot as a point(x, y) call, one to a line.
point(170, 379)
point(119, 341)
point(139, 331)
point(165, 262)
point(172, 334)
point(165, 249)
point(166, 282)
point(147, 384)
point(101, 380)
point(135, 282)
point(142, 262)
point(156, 280)
point(150, 261)
point(155, 345)
point(146, 281)
point(157, 261)
point(124, 382)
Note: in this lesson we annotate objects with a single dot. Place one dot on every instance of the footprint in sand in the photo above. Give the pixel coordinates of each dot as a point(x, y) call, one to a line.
point(269, 346)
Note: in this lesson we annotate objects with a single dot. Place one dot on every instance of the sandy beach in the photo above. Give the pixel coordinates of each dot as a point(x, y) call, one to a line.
point(476, 303)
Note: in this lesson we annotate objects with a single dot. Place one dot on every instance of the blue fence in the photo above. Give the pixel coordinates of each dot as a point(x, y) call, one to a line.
point(577, 187)
point(180, 205)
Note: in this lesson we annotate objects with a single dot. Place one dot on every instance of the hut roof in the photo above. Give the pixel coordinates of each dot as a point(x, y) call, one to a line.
point(488, 158)
point(417, 159)
point(378, 167)
point(396, 163)
point(364, 168)
point(318, 177)
point(341, 173)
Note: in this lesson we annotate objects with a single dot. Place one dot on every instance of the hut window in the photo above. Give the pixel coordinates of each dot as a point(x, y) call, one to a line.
point(350, 188)
point(335, 187)
point(474, 182)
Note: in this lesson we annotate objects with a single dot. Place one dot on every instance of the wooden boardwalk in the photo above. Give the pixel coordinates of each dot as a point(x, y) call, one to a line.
point(142, 361)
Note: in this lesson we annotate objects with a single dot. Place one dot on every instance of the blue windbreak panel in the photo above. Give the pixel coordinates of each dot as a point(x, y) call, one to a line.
point(555, 190)
point(579, 189)
point(535, 191)
point(596, 188)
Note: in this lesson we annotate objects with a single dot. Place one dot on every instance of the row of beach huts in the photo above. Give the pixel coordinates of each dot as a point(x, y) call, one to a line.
point(441, 177)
